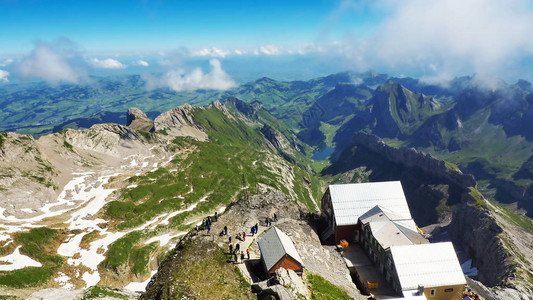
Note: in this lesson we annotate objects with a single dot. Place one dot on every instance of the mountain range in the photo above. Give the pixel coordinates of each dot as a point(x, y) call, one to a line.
point(150, 177)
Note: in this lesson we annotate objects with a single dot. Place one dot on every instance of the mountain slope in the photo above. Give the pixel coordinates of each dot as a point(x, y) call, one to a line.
point(121, 195)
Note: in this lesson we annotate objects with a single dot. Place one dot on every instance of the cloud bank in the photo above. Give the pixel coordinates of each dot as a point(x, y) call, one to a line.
point(4, 75)
point(445, 38)
point(179, 80)
point(106, 64)
point(52, 62)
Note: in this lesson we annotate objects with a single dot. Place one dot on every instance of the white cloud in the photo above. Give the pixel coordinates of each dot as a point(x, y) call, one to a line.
point(212, 52)
point(451, 37)
point(106, 63)
point(51, 62)
point(6, 62)
point(142, 63)
point(3, 76)
point(268, 50)
point(179, 81)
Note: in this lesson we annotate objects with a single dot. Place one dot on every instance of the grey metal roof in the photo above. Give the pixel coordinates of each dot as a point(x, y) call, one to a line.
point(389, 229)
point(274, 244)
point(350, 201)
point(428, 265)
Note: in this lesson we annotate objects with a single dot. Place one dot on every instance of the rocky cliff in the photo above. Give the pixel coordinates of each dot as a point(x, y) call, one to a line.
point(475, 231)
point(412, 158)
point(179, 122)
point(137, 119)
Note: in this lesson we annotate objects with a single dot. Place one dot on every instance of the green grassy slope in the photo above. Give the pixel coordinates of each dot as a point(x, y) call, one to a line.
point(212, 171)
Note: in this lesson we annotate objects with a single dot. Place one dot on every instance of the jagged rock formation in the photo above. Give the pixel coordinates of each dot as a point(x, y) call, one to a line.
point(476, 231)
point(248, 109)
point(136, 119)
point(412, 158)
point(26, 174)
point(179, 122)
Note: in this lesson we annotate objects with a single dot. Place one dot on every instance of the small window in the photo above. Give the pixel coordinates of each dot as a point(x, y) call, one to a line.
point(448, 290)
point(432, 293)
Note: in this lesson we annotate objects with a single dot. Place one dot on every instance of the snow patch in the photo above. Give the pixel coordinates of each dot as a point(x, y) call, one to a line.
point(139, 286)
point(17, 261)
point(164, 239)
point(64, 281)
point(173, 214)
point(468, 269)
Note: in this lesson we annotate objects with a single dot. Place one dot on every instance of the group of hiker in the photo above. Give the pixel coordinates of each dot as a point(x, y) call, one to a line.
point(236, 252)
point(206, 223)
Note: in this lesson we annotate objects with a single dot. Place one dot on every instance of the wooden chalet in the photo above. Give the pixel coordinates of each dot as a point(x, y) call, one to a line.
point(278, 250)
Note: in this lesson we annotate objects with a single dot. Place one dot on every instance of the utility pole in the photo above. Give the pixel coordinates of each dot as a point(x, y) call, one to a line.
point(243, 186)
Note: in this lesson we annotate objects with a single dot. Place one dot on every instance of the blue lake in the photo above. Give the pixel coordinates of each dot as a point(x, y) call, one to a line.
point(324, 154)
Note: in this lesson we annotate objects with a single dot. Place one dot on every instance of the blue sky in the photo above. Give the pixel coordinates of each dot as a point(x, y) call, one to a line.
point(435, 40)
point(158, 25)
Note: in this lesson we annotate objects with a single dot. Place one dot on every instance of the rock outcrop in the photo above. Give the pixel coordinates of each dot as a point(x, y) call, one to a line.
point(136, 119)
point(294, 219)
point(179, 122)
point(475, 231)
point(412, 158)
point(248, 109)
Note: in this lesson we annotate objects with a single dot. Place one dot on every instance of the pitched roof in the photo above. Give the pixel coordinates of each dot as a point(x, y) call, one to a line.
point(428, 265)
point(350, 201)
point(390, 229)
point(274, 244)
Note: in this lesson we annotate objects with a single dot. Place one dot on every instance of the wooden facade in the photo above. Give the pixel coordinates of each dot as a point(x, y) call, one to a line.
point(288, 263)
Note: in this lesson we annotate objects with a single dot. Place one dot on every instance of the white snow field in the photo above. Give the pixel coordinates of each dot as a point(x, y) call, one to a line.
point(79, 202)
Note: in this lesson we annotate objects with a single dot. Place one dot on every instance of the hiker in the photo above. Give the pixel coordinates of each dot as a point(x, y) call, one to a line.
point(221, 233)
point(225, 230)
point(237, 247)
point(239, 236)
point(216, 216)
point(235, 256)
point(242, 256)
point(208, 229)
point(229, 239)
point(256, 228)
point(204, 223)
point(244, 236)
point(275, 218)
point(196, 228)
point(253, 230)
point(230, 248)
point(267, 220)
point(248, 253)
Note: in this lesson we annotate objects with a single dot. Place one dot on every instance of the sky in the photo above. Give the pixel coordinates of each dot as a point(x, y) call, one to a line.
point(219, 44)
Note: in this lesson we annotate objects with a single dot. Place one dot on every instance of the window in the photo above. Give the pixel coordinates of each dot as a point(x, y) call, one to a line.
point(448, 290)
point(432, 293)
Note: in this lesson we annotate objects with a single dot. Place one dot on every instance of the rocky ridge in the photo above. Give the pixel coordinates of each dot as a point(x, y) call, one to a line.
point(412, 158)
point(179, 122)
point(137, 119)
point(295, 220)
